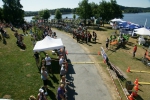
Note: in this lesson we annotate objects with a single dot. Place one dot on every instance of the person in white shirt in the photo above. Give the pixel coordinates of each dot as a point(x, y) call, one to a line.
point(61, 60)
point(48, 63)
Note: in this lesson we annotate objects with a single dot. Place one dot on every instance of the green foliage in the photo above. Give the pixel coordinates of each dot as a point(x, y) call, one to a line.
point(94, 8)
point(84, 10)
point(1, 14)
point(12, 11)
point(109, 10)
point(36, 17)
point(74, 16)
point(20, 76)
point(58, 14)
point(44, 14)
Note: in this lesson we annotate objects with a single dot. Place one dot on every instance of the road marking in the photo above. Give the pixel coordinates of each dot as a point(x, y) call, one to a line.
point(85, 63)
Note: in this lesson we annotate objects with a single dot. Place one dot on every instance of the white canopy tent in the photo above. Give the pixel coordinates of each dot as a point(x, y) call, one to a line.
point(142, 31)
point(116, 20)
point(48, 43)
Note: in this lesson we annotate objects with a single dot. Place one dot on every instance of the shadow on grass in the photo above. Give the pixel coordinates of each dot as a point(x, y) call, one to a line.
point(93, 42)
point(130, 44)
point(51, 95)
point(98, 28)
point(55, 66)
point(139, 59)
point(50, 84)
point(139, 98)
point(4, 41)
point(54, 78)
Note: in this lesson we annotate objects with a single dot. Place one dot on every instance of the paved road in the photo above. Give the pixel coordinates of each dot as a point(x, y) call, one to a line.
point(86, 84)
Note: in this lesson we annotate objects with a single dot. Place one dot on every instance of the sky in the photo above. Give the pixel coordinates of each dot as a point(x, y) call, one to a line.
point(36, 5)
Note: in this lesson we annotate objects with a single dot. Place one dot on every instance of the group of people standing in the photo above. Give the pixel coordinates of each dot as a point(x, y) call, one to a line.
point(46, 68)
point(81, 34)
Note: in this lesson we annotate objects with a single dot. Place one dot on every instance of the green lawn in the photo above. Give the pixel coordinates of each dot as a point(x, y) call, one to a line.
point(19, 74)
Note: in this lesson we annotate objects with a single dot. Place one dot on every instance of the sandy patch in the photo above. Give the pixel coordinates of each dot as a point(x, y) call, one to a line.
point(28, 75)
point(28, 64)
point(7, 97)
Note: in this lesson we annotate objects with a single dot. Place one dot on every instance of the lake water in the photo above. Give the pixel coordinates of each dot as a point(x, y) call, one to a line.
point(138, 18)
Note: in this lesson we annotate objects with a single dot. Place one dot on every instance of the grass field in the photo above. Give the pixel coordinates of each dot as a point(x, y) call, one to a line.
point(20, 77)
point(19, 74)
point(122, 58)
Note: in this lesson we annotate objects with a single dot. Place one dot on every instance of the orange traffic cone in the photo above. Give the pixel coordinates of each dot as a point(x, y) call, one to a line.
point(130, 97)
point(128, 70)
point(99, 53)
point(104, 61)
point(136, 87)
point(134, 93)
point(136, 81)
point(66, 52)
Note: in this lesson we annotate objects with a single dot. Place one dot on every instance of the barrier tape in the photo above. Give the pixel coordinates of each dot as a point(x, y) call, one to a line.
point(144, 83)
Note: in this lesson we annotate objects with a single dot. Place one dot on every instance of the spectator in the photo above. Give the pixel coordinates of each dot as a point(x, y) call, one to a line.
point(44, 77)
point(60, 92)
point(107, 43)
point(61, 60)
point(37, 58)
point(63, 71)
point(134, 50)
point(48, 63)
point(94, 36)
point(43, 63)
point(63, 81)
point(41, 95)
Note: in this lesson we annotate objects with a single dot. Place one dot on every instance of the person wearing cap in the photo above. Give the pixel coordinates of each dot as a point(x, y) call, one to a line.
point(60, 92)
point(48, 63)
point(41, 95)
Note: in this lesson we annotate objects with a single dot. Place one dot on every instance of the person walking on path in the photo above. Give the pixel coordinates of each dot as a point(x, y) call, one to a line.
point(134, 50)
point(48, 63)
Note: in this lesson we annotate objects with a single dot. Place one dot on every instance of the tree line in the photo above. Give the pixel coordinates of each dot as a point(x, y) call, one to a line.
point(12, 11)
point(69, 10)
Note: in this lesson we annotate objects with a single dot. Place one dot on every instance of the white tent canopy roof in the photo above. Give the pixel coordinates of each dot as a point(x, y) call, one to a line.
point(142, 31)
point(116, 20)
point(48, 43)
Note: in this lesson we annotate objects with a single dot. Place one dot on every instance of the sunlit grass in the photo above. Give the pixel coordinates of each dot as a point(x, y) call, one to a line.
point(19, 74)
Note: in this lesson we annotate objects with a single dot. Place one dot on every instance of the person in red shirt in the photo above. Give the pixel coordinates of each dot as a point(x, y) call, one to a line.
point(134, 50)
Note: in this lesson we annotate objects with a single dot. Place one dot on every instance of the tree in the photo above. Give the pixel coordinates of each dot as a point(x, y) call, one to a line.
point(116, 11)
point(44, 14)
point(84, 10)
point(109, 10)
point(58, 14)
point(74, 16)
point(1, 14)
point(12, 11)
point(104, 11)
point(94, 8)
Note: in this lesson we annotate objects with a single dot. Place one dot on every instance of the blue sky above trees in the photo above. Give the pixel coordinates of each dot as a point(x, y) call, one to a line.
point(36, 5)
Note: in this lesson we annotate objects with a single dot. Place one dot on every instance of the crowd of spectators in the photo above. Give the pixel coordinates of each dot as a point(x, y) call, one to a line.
point(46, 68)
